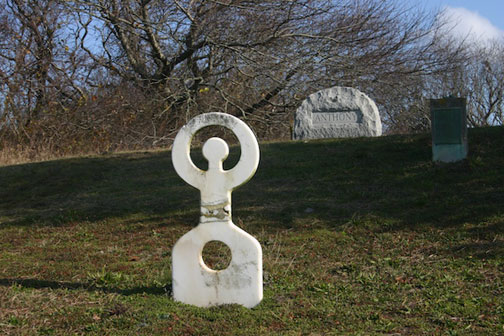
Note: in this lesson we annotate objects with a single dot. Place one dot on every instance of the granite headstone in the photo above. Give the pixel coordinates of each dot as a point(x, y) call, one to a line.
point(338, 112)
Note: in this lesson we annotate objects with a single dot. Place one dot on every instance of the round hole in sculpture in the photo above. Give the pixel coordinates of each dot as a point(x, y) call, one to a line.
point(216, 255)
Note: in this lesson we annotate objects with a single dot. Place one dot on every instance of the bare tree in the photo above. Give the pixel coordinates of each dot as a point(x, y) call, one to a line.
point(484, 83)
point(123, 74)
point(257, 59)
point(477, 76)
point(41, 76)
point(38, 66)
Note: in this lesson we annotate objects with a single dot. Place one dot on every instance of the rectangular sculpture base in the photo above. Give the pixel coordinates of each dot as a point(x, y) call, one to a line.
point(449, 153)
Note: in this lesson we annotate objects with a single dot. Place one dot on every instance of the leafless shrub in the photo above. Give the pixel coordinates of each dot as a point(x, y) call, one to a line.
point(91, 76)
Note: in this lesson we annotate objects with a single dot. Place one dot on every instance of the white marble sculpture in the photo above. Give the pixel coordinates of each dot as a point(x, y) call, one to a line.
point(193, 282)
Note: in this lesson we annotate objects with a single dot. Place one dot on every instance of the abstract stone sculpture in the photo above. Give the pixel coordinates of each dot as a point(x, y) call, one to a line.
point(193, 282)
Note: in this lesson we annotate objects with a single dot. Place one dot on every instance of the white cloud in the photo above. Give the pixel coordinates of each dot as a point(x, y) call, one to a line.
point(467, 24)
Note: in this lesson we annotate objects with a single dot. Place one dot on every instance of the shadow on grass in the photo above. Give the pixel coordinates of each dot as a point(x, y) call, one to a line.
point(481, 250)
point(392, 178)
point(41, 284)
point(56, 193)
point(486, 242)
point(329, 182)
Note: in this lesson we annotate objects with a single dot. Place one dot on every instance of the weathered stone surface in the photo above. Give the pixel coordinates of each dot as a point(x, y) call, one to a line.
point(338, 112)
point(194, 282)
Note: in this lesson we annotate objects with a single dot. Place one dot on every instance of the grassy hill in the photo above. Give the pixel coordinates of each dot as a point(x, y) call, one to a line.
point(359, 236)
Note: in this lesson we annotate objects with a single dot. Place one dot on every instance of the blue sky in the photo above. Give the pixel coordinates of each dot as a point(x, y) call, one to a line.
point(484, 18)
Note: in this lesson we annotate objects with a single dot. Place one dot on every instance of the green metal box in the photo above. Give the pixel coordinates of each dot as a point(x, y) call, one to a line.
point(449, 129)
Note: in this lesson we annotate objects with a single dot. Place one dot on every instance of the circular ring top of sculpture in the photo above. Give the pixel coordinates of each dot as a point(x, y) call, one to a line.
point(215, 184)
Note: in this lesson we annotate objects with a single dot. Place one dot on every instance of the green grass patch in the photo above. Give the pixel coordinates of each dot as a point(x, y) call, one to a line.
point(360, 237)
